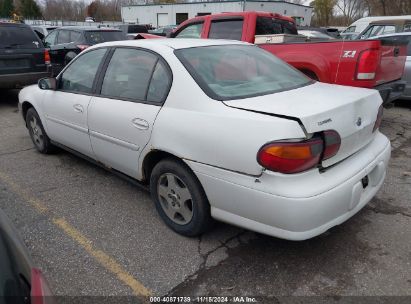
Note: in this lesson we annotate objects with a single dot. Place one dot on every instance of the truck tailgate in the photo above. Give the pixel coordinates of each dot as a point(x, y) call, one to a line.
point(393, 56)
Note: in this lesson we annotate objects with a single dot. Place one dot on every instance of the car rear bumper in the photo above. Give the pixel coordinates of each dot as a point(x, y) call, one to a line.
point(297, 206)
point(11, 81)
point(392, 90)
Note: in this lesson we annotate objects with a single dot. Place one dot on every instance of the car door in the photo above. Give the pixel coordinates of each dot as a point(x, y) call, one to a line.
point(121, 118)
point(66, 108)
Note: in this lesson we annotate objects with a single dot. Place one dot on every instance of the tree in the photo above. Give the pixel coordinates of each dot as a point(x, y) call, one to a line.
point(323, 11)
point(29, 9)
point(351, 9)
point(6, 8)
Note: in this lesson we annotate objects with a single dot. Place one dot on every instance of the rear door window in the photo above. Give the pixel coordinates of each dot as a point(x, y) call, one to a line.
point(63, 37)
point(191, 31)
point(226, 29)
point(388, 29)
point(271, 26)
point(21, 37)
point(160, 83)
point(74, 36)
point(104, 36)
point(128, 74)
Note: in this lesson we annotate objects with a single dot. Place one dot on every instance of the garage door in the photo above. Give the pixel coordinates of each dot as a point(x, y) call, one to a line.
point(162, 19)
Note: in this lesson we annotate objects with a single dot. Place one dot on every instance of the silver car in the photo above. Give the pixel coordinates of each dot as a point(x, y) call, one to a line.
point(406, 36)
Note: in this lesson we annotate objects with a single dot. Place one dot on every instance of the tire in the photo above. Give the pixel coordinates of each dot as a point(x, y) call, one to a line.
point(37, 133)
point(179, 198)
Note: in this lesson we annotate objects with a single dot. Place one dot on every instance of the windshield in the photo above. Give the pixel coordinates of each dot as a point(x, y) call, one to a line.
point(227, 72)
point(104, 36)
point(18, 37)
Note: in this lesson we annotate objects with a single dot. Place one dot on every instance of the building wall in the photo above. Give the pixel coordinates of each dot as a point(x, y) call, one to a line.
point(147, 14)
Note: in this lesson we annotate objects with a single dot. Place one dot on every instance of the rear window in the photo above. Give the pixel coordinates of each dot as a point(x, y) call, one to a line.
point(104, 36)
point(226, 29)
point(239, 71)
point(18, 37)
point(270, 26)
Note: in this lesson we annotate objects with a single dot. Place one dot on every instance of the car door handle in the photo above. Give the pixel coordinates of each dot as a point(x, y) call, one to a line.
point(78, 108)
point(140, 123)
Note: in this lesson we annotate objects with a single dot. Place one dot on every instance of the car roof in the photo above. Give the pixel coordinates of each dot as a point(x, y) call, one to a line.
point(175, 43)
point(393, 34)
point(89, 28)
point(391, 21)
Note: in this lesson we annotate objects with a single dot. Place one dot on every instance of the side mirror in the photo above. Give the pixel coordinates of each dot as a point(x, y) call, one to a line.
point(48, 83)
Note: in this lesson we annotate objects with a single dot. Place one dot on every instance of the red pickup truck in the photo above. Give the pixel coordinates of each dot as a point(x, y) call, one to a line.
point(377, 64)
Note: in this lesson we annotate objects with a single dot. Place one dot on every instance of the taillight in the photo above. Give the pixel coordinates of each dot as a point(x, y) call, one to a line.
point(332, 143)
point(47, 57)
point(82, 47)
point(295, 157)
point(290, 157)
point(367, 64)
point(379, 118)
point(40, 292)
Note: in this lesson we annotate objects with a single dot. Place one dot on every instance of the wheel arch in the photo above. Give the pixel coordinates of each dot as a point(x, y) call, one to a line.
point(25, 106)
point(152, 158)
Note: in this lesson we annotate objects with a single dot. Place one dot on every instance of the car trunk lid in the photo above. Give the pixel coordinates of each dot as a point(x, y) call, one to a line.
point(351, 112)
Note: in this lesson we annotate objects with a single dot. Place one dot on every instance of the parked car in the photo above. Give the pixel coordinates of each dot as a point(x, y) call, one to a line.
point(164, 30)
point(367, 64)
point(66, 42)
point(320, 32)
point(313, 34)
point(43, 30)
point(23, 58)
point(133, 28)
point(89, 19)
point(143, 36)
point(214, 133)
point(359, 26)
point(404, 37)
point(384, 27)
point(20, 281)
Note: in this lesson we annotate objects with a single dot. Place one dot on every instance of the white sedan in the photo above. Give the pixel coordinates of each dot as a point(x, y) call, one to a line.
point(217, 130)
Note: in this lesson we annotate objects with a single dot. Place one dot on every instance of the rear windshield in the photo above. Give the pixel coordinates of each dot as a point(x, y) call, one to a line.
point(18, 37)
point(239, 71)
point(270, 26)
point(104, 36)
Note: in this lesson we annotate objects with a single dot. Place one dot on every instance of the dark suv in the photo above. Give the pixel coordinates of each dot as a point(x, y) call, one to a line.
point(23, 58)
point(66, 42)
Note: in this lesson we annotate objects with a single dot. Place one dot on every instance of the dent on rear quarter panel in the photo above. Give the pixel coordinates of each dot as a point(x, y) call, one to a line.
point(192, 126)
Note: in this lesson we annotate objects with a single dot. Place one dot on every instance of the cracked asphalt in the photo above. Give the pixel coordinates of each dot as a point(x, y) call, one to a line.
point(369, 255)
